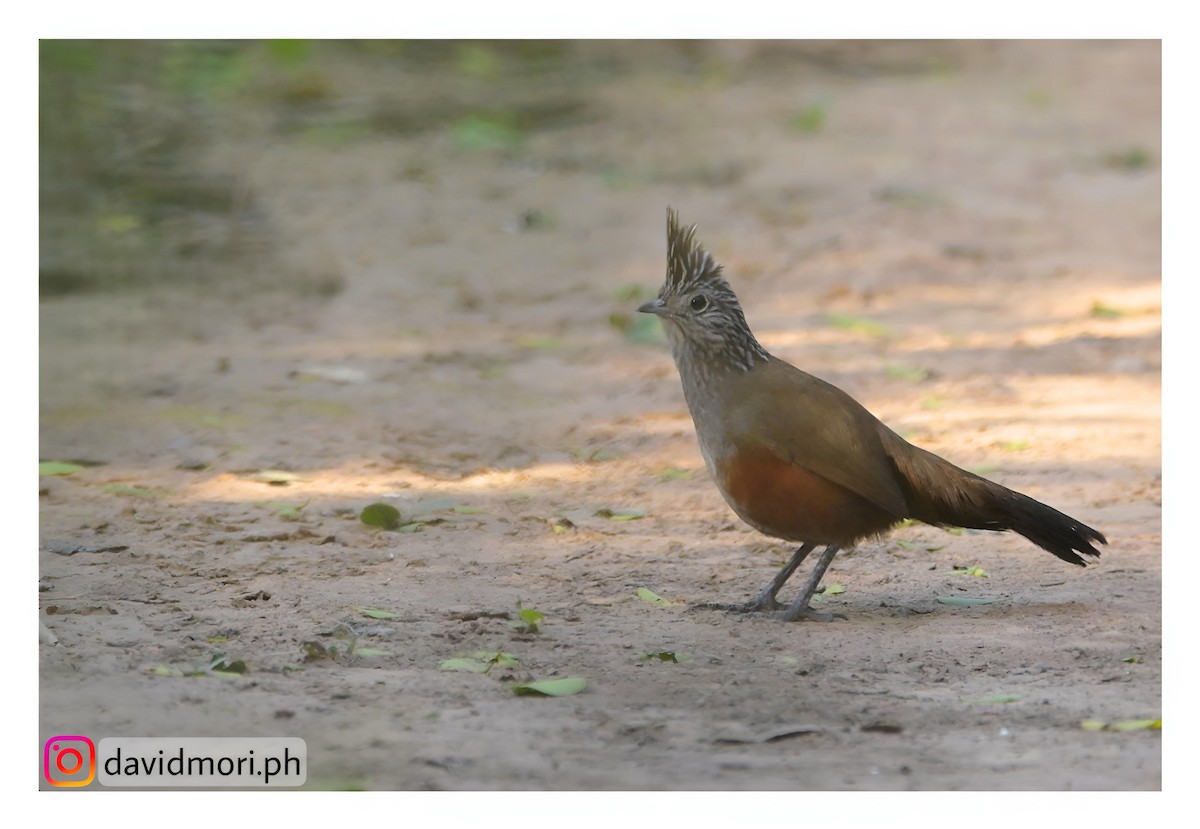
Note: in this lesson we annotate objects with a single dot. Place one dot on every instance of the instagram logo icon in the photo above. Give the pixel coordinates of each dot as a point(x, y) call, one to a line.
point(69, 761)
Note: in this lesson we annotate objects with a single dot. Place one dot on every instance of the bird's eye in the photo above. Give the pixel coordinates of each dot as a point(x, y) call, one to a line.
point(699, 302)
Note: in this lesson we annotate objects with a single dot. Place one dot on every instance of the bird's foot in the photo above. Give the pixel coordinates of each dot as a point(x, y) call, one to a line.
point(772, 608)
point(760, 604)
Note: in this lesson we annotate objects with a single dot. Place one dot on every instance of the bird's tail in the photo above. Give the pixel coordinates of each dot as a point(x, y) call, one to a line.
point(938, 492)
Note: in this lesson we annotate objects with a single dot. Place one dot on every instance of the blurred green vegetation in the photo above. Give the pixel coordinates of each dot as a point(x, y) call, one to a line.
point(128, 195)
point(139, 140)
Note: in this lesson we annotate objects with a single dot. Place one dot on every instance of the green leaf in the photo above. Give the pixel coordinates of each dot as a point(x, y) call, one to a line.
point(1133, 660)
point(810, 119)
point(1133, 158)
point(528, 623)
point(286, 511)
point(965, 601)
point(466, 509)
point(118, 224)
point(372, 652)
point(647, 595)
point(486, 132)
point(235, 667)
point(909, 374)
point(999, 698)
point(57, 468)
point(480, 662)
point(833, 589)
point(477, 61)
point(552, 687)
point(504, 660)
point(644, 329)
point(1136, 725)
point(289, 51)
point(858, 325)
point(621, 514)
point(1124, 725)
point(376, 614)
point(1105, 312)
point(384, 516)
point(674, 474)
point(633, 292)
point(1013, 445)
point(971, 571)
point(665, 656)
point(276, 477)
point(661, 656)
point(540, 343)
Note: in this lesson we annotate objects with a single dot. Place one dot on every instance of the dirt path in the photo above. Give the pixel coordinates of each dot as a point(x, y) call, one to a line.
point(966, 238)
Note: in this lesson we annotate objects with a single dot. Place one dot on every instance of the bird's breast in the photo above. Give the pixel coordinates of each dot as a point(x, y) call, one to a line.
point(787, 501)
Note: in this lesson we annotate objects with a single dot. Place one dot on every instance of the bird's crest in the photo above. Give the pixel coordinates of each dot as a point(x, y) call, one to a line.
point(688, 264)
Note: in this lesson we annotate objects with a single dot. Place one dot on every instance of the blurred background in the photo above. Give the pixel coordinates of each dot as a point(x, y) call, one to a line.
point(434, 197)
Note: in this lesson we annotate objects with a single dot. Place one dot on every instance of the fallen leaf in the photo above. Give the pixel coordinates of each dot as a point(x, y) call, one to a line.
point(276, 477)
point(288, 512)
point(376, 614)
point(465, 509)
point(334, 374)
point(858, 325)
point(552, 687)
point(1123, 725)
point(647, 595)
point(57, 468)
point(384, 516)
point(971, 571)
point(909, 374)
point(621, 514)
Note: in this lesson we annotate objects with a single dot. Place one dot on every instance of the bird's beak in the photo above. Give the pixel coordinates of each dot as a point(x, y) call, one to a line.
point(654, 306)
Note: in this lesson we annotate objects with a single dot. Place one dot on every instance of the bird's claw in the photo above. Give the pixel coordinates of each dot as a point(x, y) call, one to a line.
point(772, 608)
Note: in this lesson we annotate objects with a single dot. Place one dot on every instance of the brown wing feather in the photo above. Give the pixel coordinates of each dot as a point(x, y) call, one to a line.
point(822, 429)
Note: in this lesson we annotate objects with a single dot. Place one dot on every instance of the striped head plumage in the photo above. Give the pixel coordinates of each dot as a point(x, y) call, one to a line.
point(700, 312)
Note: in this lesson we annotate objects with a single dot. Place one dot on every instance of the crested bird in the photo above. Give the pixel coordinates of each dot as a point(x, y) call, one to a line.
point(799, 459)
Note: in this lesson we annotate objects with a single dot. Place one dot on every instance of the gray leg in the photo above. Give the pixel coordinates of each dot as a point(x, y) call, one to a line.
point(765, 600)
point(799, 607)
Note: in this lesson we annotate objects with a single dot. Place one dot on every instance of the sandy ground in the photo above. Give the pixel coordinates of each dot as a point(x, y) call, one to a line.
point(459, 348)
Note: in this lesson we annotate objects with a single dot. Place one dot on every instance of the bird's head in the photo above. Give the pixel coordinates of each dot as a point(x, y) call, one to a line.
point(700, 312)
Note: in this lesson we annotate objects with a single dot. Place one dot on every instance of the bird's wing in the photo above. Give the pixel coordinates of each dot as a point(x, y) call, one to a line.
point(810, 423)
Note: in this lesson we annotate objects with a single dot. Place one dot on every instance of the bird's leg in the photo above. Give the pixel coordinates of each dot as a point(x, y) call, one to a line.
point(799, 607)
point(765, 600)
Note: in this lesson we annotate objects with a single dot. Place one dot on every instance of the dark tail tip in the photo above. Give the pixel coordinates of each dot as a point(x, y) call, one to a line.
point(1055, 532)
